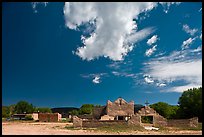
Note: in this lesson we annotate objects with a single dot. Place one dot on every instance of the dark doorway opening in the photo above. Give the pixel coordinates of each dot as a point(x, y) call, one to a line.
point(147, 119)
point(120, 117)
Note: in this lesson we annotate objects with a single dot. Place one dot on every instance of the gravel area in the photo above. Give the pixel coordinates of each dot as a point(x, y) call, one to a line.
point(40, 128)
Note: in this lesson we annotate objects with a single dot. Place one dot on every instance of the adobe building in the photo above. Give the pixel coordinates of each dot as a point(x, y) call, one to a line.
point(124, 111)
point(49, 117)
point(117, 110)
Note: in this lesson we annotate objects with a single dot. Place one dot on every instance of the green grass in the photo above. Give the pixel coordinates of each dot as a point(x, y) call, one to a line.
point(119, 128)
point(71, 128)
point(113, 128)
point(3, 119)
point(126, 128)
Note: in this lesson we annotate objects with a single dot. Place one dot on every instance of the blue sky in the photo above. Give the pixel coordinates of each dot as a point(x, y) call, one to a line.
point(69, 54)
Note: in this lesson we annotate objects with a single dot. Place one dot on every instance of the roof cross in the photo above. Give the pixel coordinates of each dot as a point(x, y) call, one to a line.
point(146, 103)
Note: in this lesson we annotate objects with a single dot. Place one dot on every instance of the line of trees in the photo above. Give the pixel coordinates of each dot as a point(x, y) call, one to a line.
point(189, 105)
point(84, 109)
point(22, 107)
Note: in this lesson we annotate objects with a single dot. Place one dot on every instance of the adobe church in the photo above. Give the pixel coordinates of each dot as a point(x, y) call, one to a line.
point(117, 110)
point(120, 110)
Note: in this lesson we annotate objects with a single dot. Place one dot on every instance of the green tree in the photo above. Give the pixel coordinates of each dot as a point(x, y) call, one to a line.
point(86, 109)
point(190, 103)
point(74, 112)
point(43, 110)
point(173, 111)
point(28, 117)
point(165, 110)
point(98, 105)
point(5, 112)
point(24, 107)
point(12, 109)
point(162, 108)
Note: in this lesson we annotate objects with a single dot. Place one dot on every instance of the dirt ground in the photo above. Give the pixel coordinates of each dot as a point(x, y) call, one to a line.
point(41, 128)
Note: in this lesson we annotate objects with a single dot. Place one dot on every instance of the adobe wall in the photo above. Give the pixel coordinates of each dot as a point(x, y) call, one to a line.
point(135, 120)
point(106, 117)
point(77, 122)
point(98, 112)
point(100, 123)
point(159, 120)
point(35, 116)
point(120, 108)
point(192, 122)
point(49, 117)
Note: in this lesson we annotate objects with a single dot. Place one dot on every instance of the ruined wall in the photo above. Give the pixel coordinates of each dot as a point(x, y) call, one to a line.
point(77, 122)
point(98, 112)
point(99, 123)
point(192, 122)
point(135, 120)
point(49, 117)
point(147, 111)
point(120, 107)
point(158, 120)
point(107, 117)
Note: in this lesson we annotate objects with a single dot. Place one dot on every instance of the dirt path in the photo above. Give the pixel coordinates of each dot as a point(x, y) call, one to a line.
point(19, 128)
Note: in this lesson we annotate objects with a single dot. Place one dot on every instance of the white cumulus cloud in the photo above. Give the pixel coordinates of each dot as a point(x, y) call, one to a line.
point(161, 84)
point(34, 5)
point(95, 77)
point(150, 51)
point(187, 29)
point(166, 5)
point(96, 80)
point(152, 40)
point(187, 43)
point(185, 65)
point(148, 79)
point(115, 30)
point(200, 10)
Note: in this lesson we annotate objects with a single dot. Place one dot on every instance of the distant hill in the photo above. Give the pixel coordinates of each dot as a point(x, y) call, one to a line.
point(63, 110)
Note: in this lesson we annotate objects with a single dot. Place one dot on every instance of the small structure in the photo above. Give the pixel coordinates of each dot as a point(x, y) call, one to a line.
point(157, 120)
point(35, 116)
point(49, 117)
point(18, 116)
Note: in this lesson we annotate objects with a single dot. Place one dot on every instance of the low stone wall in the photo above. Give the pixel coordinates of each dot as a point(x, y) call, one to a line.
point(77, 122)
point(192, 122)
point(97, 123)
point(135, 120)
point(159, 121)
